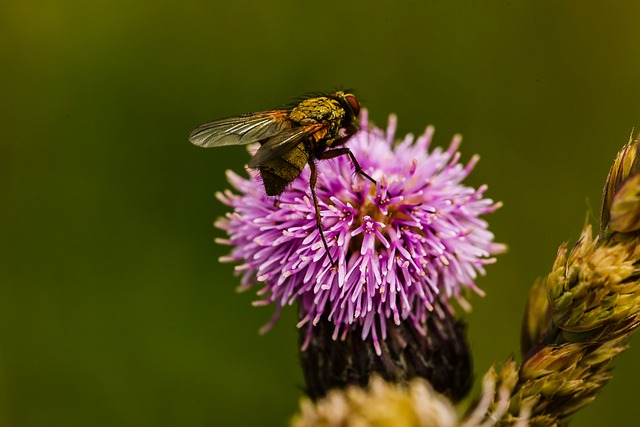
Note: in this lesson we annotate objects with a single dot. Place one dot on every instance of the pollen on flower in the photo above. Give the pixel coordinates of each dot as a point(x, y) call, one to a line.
point(415, 237)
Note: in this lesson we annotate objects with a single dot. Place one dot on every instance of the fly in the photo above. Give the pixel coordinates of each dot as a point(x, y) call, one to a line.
point(314, 129)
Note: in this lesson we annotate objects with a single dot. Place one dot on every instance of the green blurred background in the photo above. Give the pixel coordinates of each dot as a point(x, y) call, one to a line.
point(114, 310)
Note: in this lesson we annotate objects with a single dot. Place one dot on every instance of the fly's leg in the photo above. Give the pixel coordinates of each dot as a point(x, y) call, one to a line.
point(336, 152)
point(312, 184)
point(330, 154)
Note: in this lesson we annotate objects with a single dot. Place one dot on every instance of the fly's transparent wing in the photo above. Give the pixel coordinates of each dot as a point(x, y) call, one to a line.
point(240, 130)
point(282, 143)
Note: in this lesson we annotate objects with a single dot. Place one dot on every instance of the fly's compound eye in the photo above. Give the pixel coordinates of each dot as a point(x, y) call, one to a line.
point(354, 104)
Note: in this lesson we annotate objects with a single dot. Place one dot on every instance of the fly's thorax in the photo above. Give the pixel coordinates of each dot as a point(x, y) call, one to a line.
point(320, 110)
point(317, 110)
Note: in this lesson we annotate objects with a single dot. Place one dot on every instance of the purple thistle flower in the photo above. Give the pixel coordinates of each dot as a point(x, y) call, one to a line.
point(415, 238)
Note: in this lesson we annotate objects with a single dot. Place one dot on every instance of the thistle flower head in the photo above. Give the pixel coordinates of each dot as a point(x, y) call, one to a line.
point(415, 237)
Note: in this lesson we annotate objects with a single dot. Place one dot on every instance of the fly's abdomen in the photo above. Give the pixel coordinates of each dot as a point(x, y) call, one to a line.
point(278, 173)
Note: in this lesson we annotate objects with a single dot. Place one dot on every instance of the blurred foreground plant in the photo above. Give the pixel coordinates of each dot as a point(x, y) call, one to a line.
point(577, 320)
